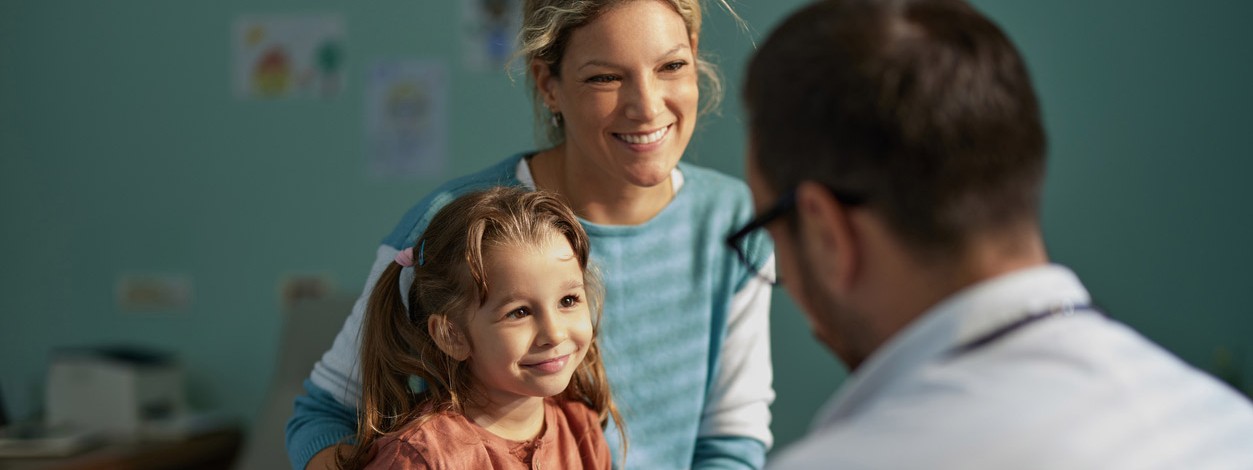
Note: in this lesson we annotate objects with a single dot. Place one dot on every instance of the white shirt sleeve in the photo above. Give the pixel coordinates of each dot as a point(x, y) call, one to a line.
point(338, 370)
point(739, 403)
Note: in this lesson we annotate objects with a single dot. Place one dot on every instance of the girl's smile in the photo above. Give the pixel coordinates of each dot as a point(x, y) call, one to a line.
point(535, 326)
point(549, 366)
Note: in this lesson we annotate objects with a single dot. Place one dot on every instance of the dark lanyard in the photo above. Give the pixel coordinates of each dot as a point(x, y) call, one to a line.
point(992, 336)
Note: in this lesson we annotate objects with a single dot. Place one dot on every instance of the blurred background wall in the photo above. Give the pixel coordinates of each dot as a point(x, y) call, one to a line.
point(125, 152)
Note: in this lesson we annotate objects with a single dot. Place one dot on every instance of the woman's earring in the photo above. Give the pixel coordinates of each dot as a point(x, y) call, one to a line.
point(557, 119)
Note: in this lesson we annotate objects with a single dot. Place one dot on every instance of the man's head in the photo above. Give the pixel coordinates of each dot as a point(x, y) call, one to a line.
point(909, 130)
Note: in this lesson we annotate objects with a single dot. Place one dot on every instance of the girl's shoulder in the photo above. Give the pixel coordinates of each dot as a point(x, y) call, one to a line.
point(578, 429)
point(435, 428)
point(571, 407)
point(576, 415)
point(439, 437)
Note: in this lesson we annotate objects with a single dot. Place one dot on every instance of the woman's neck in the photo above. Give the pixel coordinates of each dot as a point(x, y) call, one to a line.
point(596, 197)
point(519, 420)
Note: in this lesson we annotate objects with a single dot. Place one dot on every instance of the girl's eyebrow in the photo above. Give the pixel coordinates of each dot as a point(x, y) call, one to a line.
point(603, 63)
point(571, 284)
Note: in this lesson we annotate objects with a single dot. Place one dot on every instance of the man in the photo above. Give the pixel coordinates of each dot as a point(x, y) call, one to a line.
point(896, 155)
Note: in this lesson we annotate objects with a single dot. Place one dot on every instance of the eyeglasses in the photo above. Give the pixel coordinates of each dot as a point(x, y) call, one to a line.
point(738, 241)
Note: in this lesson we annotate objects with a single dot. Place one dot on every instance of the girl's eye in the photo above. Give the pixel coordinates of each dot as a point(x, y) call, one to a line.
point(517, 313)
point(674, 66)
point(569, 301)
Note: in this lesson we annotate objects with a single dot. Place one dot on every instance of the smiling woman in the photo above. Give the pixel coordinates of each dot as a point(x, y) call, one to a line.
point(629, 108)
point(618, 87)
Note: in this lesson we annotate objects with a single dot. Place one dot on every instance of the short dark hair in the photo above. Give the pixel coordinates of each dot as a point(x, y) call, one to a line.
point(922, 109)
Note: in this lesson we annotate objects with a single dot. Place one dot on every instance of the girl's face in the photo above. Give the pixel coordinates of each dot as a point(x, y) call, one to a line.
point(531, 334)
point(628, 93)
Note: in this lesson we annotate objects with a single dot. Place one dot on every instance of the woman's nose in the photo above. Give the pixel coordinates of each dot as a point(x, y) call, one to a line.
point(644, 100)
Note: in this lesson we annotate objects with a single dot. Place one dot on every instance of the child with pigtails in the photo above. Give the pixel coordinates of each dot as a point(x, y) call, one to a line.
point(496, 309)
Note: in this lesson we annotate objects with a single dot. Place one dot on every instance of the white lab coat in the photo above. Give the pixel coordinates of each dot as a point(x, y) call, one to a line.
point(1068, 391)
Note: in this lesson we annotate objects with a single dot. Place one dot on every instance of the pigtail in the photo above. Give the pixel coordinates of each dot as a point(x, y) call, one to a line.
point(590, 384)
point(386, 362)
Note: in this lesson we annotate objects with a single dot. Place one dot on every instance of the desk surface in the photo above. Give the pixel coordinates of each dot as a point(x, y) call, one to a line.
point(215, 450)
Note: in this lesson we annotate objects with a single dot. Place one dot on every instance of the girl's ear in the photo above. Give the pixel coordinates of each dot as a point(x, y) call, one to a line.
point(447, 337)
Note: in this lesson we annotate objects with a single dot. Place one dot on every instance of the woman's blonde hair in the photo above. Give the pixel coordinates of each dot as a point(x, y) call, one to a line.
point(546, 28)
point(449, 280)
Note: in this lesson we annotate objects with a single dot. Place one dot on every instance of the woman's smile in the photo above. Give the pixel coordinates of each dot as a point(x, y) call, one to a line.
point(644, 141)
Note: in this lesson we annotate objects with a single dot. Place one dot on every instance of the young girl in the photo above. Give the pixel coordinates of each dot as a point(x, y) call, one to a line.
point(497, 310)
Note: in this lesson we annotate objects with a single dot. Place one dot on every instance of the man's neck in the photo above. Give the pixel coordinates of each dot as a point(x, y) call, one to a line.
point(911, 287)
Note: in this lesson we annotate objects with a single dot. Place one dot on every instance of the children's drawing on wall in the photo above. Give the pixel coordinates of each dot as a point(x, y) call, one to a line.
point(288, 56)
point(490, 29)
point(407, 118)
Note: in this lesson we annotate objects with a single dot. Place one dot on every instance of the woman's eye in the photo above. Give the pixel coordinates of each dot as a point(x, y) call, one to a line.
point(569, 301)
point(674, 66)
point(602, 79)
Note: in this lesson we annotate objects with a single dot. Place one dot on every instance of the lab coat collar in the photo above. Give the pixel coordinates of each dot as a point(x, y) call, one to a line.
point(962, 317)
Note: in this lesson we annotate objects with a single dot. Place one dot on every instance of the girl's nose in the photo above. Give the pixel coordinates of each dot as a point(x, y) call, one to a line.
point(644, 101)
point(552, 329)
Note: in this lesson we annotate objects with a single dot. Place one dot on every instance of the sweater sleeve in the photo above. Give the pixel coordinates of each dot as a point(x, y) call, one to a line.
point(326, 414)
point(317, 422)
point(735, 427)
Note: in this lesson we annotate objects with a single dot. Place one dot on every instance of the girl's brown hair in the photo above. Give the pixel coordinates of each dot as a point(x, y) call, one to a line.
point(449, 280)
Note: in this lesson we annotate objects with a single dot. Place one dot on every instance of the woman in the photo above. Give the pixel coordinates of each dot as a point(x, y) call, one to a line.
point(685, 330)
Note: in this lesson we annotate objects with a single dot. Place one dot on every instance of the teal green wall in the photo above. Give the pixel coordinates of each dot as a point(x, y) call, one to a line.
point(123, 149)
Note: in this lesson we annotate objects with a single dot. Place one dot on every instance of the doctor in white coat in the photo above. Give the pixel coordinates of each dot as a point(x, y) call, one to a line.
point(896, 156)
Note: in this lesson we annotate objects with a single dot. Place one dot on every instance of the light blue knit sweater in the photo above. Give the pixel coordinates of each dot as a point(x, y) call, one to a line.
point(684, 333)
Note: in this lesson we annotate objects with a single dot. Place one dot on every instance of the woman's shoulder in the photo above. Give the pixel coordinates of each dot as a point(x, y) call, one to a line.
point(711, 179)
point(502, 173)
point(713, 186)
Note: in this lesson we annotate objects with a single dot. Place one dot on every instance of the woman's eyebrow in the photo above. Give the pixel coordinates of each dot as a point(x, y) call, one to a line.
point(605, 63)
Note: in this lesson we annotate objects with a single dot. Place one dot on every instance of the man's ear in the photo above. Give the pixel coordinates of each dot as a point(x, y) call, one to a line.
point(827, 233)
point(448, 337)
point(545, 84)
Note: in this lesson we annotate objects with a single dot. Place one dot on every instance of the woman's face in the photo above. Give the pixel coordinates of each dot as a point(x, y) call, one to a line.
point(628, 93)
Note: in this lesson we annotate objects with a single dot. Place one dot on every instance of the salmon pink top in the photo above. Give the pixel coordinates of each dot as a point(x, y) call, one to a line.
point(572, 438)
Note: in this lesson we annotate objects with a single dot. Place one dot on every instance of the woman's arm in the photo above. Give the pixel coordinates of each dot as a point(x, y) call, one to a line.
point(327, 413)
point(735, 427)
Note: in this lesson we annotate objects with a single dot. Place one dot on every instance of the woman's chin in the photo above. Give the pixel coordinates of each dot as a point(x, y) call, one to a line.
point(650, 175)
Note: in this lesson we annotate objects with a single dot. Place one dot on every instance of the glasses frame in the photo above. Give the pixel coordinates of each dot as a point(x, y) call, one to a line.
point(782, 206)
point(785, 204)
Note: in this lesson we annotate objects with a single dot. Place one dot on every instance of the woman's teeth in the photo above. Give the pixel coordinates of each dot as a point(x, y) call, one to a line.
point(643, 138)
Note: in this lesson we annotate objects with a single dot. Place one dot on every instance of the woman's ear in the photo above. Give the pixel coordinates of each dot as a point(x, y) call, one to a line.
point(447, 337)
point(545, 84)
